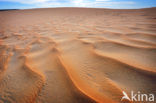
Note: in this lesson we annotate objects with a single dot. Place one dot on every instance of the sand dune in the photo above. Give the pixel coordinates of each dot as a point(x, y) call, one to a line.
point(76, 55)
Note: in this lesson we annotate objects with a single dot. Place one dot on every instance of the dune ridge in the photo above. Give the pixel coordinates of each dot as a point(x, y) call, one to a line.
point(76, 55)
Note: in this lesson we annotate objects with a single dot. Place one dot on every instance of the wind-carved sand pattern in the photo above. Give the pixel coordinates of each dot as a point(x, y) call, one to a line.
point(76, 55)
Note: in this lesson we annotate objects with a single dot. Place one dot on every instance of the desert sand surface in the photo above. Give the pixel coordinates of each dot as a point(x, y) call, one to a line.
point(76, 55)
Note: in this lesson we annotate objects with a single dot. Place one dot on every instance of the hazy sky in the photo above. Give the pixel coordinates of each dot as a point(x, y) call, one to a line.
point(125, 4)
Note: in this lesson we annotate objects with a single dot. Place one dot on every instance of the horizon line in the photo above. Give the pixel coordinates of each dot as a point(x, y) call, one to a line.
point(79, 7)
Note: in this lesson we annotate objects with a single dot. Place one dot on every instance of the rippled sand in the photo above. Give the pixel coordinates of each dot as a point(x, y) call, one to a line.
point(76, 55)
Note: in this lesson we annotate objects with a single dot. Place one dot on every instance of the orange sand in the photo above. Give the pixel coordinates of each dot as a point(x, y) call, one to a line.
point(76, 55)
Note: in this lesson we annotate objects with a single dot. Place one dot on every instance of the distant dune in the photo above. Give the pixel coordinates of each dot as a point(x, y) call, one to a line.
point(76, 55)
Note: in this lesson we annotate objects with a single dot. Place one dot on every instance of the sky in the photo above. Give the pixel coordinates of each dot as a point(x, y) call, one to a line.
point(115, 4)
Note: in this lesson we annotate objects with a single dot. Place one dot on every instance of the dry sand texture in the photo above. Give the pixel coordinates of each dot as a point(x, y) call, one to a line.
point(76, 55)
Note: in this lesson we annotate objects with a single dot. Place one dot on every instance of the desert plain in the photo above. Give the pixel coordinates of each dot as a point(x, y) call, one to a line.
point(76, 55)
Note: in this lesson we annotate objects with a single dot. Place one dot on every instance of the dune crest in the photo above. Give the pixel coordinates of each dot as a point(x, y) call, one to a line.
point(76, 55)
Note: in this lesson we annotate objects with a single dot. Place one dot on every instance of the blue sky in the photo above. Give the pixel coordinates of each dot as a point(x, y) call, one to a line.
point(119, 4)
